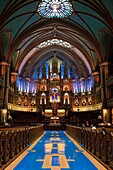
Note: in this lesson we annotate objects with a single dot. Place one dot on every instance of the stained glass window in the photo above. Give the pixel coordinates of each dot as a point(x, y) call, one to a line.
point(55, 41)
point(55, 8)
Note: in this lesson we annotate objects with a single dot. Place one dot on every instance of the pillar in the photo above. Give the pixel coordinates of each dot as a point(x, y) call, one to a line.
point(96, 78)
point(106, 115)
point(4, 89)
point(13, 79)
point(4, 73)
point(104, 76)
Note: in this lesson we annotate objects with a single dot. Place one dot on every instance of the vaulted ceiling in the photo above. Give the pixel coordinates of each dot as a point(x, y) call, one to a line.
point(84, 39)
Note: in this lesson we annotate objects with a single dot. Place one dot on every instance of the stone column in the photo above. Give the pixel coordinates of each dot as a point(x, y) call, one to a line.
point(4, 73)
point(96, 78)
point(13, 77)
point(4, 90)
point(13, 80)
point(104, 76)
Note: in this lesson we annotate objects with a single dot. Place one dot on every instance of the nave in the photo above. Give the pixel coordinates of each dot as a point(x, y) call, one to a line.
point(55, 150)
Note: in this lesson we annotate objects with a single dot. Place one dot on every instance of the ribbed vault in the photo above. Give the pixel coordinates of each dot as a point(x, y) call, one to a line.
point(22, 30)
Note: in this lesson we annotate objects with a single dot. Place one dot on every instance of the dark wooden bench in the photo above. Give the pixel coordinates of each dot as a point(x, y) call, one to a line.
point(13, 141)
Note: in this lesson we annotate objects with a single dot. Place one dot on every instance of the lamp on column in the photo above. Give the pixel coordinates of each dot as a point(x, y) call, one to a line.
point(4, 114)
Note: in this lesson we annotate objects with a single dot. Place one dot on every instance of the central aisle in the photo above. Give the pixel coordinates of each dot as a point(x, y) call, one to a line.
point(55, 151)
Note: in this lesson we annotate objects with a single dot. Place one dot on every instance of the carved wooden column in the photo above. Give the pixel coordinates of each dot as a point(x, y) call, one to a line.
point(13, 80)
point(111, 150)
point(96, 78)
point(104, 76)
point(104, 90)
point(4, 73)
point(13, 77)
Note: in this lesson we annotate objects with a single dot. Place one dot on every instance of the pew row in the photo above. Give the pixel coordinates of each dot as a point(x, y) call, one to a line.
point(12, 142)
point(99, 143)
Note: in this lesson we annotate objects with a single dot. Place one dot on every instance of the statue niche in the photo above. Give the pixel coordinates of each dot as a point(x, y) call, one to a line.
point(54, 95)
point(43, 99)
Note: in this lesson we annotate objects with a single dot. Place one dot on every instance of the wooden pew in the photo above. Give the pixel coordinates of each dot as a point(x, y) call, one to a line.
point(98, 143)
point(111, 150)
point(14, 141)
point(105, 146)
point(12, 144)
point(5, 146)
point(24, 138)
point(98, 148)
point(20, 140)
point(86, 138)
point(1, 149)
point(94, 142)
point(78, 134)
point(17, 141)
point(89, 140)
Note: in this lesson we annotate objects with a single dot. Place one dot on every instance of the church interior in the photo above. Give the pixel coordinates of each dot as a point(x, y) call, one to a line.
point(56, 73)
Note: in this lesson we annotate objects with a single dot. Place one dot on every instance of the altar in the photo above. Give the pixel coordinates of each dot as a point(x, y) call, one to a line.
point(54, 121)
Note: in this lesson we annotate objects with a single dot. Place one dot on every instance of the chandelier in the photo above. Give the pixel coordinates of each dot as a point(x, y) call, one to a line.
point(55, 8)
